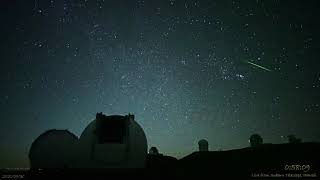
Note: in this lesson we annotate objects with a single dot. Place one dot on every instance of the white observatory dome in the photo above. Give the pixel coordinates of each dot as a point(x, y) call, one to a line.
point(53, 149)
point(112, 142)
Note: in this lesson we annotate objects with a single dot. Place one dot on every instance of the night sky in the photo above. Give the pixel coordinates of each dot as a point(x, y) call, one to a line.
point(183, 68)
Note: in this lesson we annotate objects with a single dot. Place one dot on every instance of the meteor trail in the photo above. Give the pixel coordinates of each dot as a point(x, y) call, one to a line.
point(261, 67)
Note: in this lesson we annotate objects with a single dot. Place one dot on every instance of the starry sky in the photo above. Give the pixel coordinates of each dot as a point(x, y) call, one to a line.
point(181, 66)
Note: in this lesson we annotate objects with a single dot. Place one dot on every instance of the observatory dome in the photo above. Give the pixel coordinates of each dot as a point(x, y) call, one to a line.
point(255, 140)
point(203, 145)
point(114, 142)
point(53, 149)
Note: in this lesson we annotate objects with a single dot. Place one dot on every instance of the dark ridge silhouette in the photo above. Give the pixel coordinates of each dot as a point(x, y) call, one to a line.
point(265, 159)
point(293, 139)
point(113, 147)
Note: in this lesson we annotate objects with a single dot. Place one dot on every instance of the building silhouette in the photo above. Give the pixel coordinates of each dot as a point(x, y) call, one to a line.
point(203, 145)
point(107, 142)
point(153, 151)
point(53, 149)
point(255, 140)
point(113, 144)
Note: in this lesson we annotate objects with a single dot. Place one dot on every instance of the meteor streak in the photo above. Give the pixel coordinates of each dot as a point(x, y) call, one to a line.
point(256, 65)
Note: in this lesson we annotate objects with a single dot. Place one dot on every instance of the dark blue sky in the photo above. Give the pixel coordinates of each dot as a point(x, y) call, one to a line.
point(180, 66)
